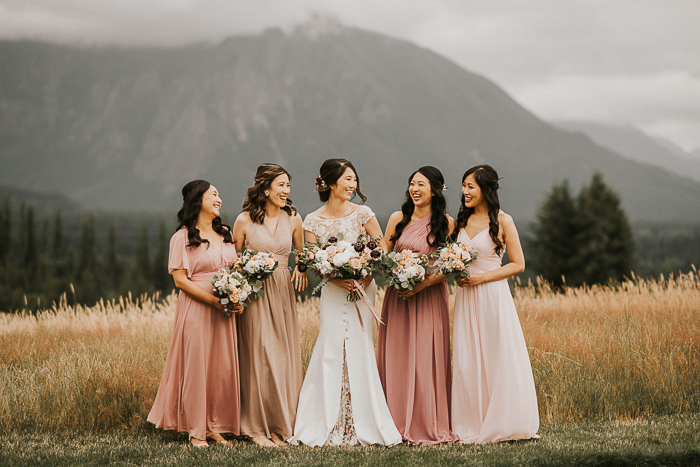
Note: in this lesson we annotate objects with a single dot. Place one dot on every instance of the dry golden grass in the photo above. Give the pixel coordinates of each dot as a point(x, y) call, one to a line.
point(600, 353)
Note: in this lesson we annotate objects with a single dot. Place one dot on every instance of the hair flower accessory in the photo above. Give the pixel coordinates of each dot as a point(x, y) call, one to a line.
point(320, 184)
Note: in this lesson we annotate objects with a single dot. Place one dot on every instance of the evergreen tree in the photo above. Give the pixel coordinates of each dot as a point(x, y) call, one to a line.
point(143, 258)
point(607, 243)
point(46, 237)
point(552, 245)
point(22, 233)
point(587, 239)
point(161, 278)
point(113, 272)
point(57, 248)
point(5, 230)
point(87, 260)
point(30, 254)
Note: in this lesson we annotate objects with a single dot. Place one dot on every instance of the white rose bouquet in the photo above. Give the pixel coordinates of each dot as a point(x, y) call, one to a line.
point(338, 259)
point(454, 259)
point(255, 267)
point(404, 269)
point(231, 288)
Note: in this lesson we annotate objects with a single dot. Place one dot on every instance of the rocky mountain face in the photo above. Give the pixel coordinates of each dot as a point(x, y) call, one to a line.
point(125, 129)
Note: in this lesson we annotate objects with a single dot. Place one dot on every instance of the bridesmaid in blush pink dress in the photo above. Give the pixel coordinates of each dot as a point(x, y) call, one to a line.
point(413, 350)
point(493, 397)
point(199, 390)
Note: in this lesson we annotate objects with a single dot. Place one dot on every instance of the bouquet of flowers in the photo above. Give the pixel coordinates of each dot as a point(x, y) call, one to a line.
point(340, 259)
point(231, 288)
point(255, 266)
point(454, 259)
point(404, 269)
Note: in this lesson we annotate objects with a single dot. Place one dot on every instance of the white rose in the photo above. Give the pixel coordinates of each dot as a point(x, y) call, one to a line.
point(250, 267)
point(411, 271)
point(242, 296)
point(340, 259)
point(466, 256)
point(342, 245)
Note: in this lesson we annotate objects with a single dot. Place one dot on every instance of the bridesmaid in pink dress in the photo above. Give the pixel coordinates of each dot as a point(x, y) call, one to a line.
point(413, 349)
point(199, 390)
point(493, 397)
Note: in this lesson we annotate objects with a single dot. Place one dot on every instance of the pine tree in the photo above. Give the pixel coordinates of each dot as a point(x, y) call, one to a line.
point(30, 255)
point(143, 258)
point(552, 245)
point(113, 272)
point(87, 260)
point(607, 243)
point(57, 247)
point(5, 230)
point(161, 278)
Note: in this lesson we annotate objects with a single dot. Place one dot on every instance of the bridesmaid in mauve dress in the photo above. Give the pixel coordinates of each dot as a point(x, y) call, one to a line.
point(493, 397)
point(413, 350)
point(199, 391)
point(268, 333)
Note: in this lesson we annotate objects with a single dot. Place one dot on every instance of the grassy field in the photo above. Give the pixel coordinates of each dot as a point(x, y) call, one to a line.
point(605, 359)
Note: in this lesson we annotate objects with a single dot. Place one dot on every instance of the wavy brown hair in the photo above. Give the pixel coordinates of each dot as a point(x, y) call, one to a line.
point(254, 203)
point(331, 171)
point(438, 220)
point(487, 179)
point(188, 214)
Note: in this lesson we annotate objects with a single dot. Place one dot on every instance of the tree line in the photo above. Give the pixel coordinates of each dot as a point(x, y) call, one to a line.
point(576, 239)
point(36, 270)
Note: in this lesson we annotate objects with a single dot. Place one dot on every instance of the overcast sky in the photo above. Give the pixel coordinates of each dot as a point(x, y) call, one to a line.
point(627, 62)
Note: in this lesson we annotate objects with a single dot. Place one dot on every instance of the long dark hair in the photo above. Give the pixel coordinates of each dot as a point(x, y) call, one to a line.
point(438, 220)
point(188, 214)
point(331, 170)
point(254, 203)
point(487, 179)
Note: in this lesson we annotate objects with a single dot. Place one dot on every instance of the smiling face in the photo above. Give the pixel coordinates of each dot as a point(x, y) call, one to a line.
point(279, 191)
point(345, 186)
point(472, 192)
point(420, 191)
point(211, 203)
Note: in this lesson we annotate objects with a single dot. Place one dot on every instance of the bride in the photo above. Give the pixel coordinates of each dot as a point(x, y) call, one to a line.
point(341, 400)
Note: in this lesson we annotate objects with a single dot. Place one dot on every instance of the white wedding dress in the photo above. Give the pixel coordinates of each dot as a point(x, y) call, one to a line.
point(341, 400)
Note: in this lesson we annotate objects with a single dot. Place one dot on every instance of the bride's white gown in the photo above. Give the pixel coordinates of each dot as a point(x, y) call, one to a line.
point(343, 404)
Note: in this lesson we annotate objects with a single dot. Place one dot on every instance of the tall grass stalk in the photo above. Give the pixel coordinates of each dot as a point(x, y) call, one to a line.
point(615, 352)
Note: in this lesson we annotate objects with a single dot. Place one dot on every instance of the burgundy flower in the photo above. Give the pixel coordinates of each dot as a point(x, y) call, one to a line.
point(359, 247)
point(375, 254)
point(325, 246)
point(371, 245)
point(301, 267)
point(332, 239)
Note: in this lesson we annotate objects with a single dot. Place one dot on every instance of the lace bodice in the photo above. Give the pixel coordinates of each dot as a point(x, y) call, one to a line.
point(351, 226)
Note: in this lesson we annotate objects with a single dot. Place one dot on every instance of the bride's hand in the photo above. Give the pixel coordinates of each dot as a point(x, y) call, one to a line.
point(343, 284)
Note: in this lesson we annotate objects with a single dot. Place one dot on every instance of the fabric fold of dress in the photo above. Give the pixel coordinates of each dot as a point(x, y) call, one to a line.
point(363, 417)
point(269, 342)
point(413, 353)
point(493, 397)
point(199, 389)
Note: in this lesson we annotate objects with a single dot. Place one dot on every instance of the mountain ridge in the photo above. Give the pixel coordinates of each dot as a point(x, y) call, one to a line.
point(120, 128)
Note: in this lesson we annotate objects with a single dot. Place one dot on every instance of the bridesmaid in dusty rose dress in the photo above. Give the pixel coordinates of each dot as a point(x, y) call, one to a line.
point(199, 391)
point(493, 397)
point(413, 350)
point(268, 333)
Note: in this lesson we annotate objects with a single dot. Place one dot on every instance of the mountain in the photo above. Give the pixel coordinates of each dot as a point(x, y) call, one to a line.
point(126, 128)
point(638, 146)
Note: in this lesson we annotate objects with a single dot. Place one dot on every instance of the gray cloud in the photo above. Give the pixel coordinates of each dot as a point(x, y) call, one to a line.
point(626, 62)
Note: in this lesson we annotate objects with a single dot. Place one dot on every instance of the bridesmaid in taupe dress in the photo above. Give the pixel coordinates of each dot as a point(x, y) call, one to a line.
point(268, 333)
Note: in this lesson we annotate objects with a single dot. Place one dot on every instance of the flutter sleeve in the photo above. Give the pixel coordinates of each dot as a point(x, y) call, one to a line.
point(178, 258)
point(365, 214)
